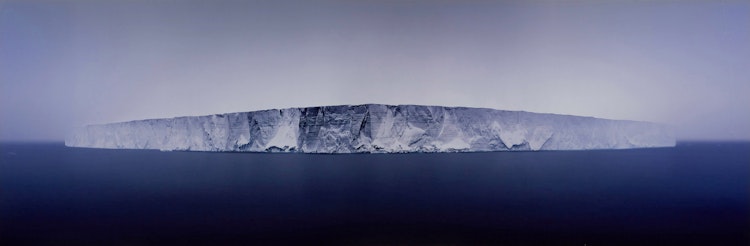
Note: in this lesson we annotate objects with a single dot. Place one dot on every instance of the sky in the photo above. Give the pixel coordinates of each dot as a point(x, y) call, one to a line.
point(65, 64)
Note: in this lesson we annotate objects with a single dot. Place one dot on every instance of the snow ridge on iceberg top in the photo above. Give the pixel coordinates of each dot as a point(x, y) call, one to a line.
point(374, 128)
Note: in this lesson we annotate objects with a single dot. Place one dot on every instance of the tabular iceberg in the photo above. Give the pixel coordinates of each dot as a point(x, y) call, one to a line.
point(374, 128)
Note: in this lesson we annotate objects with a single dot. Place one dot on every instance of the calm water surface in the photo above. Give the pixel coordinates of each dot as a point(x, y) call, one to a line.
point(696, 193)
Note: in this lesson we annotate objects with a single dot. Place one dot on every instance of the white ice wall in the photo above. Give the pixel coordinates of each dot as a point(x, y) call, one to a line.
point(375, 128)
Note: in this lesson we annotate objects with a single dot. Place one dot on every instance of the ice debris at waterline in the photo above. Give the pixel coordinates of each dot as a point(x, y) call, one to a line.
point(374, 128)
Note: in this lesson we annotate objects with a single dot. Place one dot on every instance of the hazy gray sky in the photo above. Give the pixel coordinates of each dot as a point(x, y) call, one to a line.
point(69, 63)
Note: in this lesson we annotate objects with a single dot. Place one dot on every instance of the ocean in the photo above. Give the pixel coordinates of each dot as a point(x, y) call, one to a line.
point(697, 193)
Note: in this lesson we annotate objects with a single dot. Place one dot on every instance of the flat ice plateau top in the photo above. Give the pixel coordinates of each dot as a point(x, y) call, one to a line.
point(374, 128)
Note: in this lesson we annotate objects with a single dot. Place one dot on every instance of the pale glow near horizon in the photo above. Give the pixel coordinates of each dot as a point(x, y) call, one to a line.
point(69, 63)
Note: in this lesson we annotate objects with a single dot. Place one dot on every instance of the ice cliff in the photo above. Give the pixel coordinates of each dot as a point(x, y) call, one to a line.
point(374, 128)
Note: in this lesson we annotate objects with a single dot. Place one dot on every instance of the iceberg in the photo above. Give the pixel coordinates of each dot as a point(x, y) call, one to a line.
point(374, 128)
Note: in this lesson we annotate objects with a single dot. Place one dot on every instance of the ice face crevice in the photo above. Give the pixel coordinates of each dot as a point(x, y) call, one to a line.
point(374, 128)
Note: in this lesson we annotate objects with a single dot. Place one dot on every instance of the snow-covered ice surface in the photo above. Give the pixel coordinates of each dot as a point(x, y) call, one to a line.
point(374, 128)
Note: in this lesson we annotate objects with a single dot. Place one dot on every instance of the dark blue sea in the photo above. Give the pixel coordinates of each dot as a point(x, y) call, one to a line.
point(695, 194)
